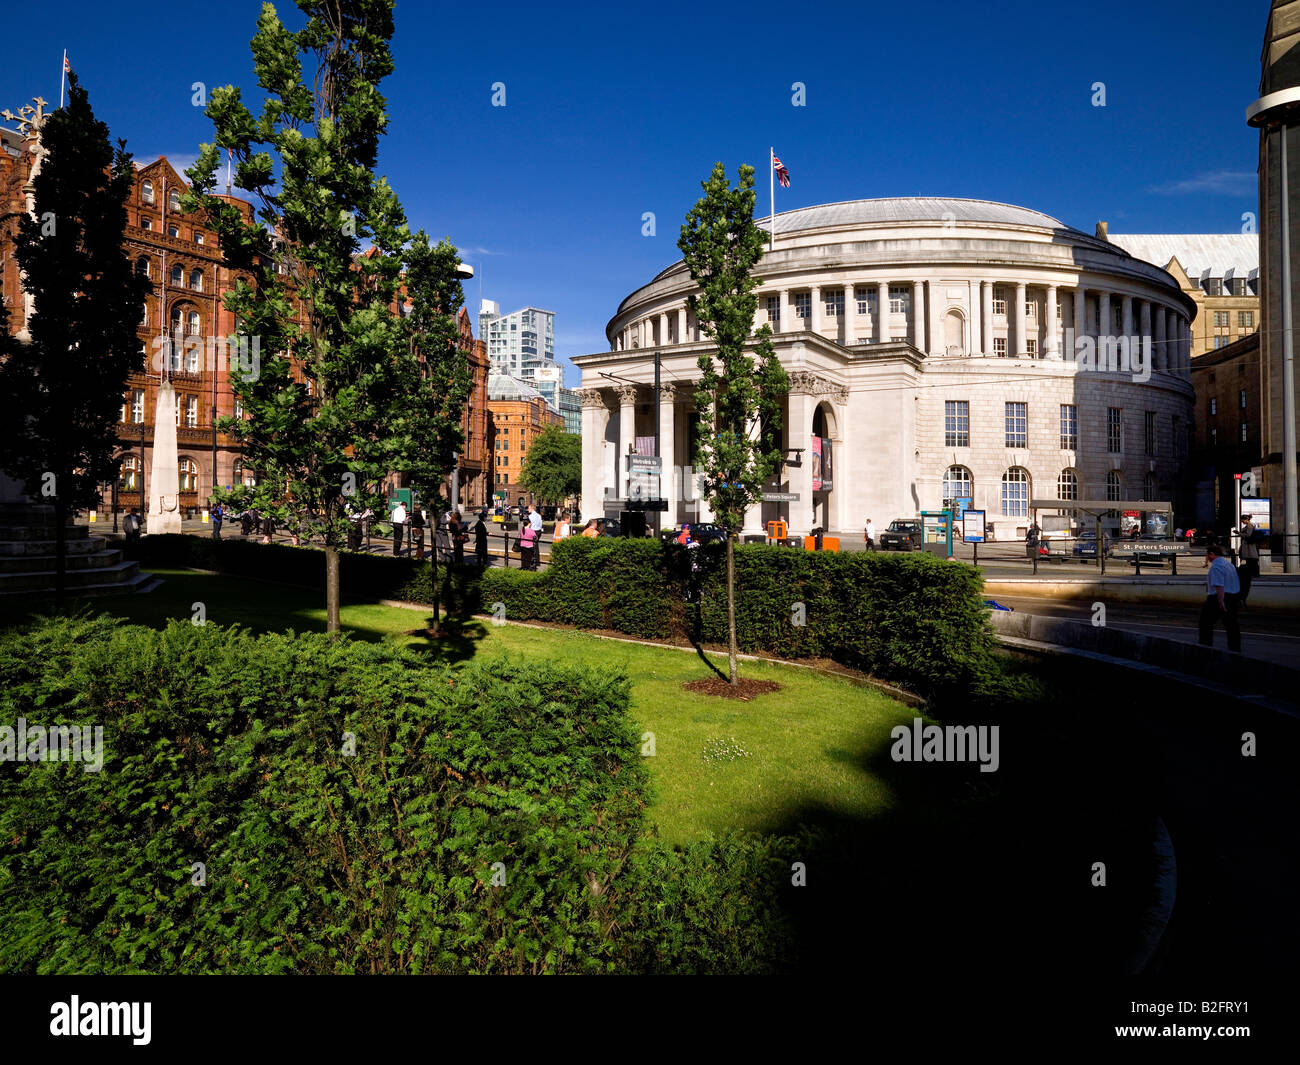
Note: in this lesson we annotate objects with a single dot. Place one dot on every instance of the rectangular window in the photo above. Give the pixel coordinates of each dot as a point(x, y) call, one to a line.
point(1031, 348)
point(1149, 432)
point(1031, 309)
point(1000, 347)
point(956, 423)
point(1017, 417)
point(1246, 319)
point(866, 298)
point(900, 299)
point(1214, 437)
point(774, 310)
point(1069, 427)
point(137, 406)
point(1214, 405)
point(803, 304)
point(999, 302)
point(1241, 399)
point(835, 304)
point(1114, 430)
point(1243, 432)
point(191, 411)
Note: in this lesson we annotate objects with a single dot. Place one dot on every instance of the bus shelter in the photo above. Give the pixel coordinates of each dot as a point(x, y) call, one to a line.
point(1144, 527)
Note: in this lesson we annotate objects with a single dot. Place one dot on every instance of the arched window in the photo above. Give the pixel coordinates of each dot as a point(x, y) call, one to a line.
point(189, 475)
point(1149, 487)
point(177, 274)
point(1067, 485)
point(174, 231)
point(957, 483)
point(192, 324)
point(146, 223)
point(174, 200)
point(142, 266)
point(1015, 493)
point(146, 192)
point(196, 280)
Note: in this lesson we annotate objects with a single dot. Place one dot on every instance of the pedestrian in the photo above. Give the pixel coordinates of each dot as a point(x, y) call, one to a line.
point(683, 537)
point(1031, 541)
point(869, 534)
point(563, 530)
point(131, 526)
point(481, 539)
point(399, 526)
point(218, 516)
point(527, 546)
point(1222, 598)
point(1178, 533)
point(591, 530)
point(456, 531)
point(417, 524)
point(246, 523)
point(1248, 570)
point(268, 529)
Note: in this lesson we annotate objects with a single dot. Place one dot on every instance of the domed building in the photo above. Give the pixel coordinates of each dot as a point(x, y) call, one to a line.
point(938, 349)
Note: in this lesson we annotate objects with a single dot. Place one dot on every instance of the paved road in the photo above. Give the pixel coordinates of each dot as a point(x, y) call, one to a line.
point(1272, 637)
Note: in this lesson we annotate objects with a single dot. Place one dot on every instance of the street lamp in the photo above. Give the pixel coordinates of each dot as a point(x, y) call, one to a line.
point(1276, 111)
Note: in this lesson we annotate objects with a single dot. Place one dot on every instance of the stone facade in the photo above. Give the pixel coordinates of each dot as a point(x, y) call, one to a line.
point(885, 312)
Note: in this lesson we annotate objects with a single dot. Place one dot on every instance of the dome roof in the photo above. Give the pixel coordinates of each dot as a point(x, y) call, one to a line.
point(502, 386)
point(900, 209)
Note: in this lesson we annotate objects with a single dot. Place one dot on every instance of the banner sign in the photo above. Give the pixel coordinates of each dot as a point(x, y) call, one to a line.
point(972, 526)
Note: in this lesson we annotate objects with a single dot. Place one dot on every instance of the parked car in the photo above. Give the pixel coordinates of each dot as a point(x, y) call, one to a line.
point(903, 534)
point(1086, 545)
point(611, 527)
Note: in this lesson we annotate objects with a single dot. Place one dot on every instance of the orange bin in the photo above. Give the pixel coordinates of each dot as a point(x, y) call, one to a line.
point(829, 543)
point(777, 530)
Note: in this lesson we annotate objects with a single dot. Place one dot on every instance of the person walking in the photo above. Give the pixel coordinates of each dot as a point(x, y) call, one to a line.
point(399, 526)
point(481, 539)
point(417, 524)
point(246, 523)
point(456, 531)
point(268, 529)
point(1031, 541)
point(1248, 569)
point(527, 546)
point(591, 530)
point(563, 530)
point(131, 526)
point(869, 534)
point(218, 516)
point(1222, 598)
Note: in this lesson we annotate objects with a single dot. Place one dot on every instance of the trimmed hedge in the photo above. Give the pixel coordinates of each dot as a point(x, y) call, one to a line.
point(910, 618)
point(226, 749)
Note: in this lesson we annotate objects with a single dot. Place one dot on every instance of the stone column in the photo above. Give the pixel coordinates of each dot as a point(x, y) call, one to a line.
point(663, 329)
point(595, 413)
point(918, 315)
point(800, 436)
point(681, 325)
point(1161, 345)
point(753, 523)
point(881, 324)
point(1051, 348)
point(1127, 314)
point(626, 433)
point(850, 314)
point(1144, 326)
point(934, 330)
point(1022, 323)
point(164, 485)
point(986, 316)
point(815, 308)
point(1080, 318)
point(670, 480)
point(1105, 324)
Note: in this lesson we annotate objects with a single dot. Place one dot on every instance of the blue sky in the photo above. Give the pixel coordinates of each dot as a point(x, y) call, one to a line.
point(613, 111)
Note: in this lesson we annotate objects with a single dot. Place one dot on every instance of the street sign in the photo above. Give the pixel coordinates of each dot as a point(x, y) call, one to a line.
point(972, 526)
point(780, 497)
point(1151, 547)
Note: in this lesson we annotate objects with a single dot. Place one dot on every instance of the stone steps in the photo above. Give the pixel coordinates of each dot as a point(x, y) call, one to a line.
point(138, 584)
point(84, 546)
point(117, 572)
point(29, 558)
point(81, 560)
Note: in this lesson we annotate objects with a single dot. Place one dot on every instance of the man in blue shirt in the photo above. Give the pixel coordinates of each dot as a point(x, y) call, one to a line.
point(1222, 598)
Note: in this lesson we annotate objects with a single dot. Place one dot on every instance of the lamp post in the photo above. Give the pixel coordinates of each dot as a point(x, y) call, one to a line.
point(1276, 111)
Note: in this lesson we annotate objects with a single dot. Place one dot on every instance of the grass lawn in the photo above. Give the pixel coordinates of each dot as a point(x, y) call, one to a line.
point(811, 746)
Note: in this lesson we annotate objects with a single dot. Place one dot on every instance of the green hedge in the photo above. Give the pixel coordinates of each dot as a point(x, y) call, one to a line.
point(225, 748)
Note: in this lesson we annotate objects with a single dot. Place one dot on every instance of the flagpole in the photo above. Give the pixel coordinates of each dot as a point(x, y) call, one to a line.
point(63, 75)
point(771, 185)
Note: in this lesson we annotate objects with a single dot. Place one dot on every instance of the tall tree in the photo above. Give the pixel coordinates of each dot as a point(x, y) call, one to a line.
point(430, 434)
point(308, 159)
point(738, 396)
point(553, 466)
point(62, 389)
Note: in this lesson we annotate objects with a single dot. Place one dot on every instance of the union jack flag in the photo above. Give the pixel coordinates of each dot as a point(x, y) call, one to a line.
point(782, 174)
point(67, 67)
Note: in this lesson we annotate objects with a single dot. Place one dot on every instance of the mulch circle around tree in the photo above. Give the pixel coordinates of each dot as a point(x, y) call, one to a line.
point(744, 689)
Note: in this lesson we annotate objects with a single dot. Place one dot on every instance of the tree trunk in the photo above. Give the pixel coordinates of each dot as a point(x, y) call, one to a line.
point(331, 588)
point(436, 627)
point(60, 551)
point(731, 610)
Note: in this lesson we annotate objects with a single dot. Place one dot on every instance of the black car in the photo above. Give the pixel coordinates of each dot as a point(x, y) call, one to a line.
point(611, 527)
point(903, 534)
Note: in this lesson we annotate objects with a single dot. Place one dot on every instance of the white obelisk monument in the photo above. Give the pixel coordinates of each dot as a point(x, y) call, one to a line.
point(165, 488)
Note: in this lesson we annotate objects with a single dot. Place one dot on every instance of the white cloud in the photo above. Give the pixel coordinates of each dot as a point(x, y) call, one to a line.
point(1213, 182)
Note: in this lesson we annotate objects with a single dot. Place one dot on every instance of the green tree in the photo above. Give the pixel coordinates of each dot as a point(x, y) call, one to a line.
point(331, 432)
point(552, 468)
point(62, 389)
point(739, 404)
